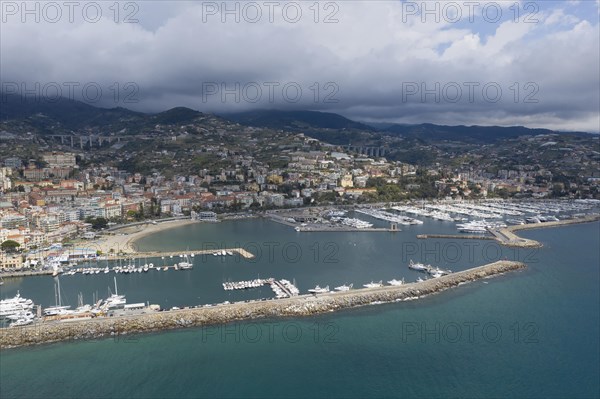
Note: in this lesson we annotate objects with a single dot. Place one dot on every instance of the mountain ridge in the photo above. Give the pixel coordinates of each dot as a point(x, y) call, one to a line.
point(72, 115)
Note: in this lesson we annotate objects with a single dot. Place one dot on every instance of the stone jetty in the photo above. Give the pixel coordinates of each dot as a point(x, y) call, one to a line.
point(506, 236)
point(304, 305)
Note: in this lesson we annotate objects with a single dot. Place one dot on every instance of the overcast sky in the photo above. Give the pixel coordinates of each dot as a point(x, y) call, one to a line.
point(497, 63)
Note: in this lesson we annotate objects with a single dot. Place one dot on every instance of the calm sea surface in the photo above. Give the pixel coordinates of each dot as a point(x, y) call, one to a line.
point(527, 334)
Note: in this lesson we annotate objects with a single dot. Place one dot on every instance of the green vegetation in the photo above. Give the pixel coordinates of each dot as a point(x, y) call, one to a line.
point(10, 246)
point(97, 223)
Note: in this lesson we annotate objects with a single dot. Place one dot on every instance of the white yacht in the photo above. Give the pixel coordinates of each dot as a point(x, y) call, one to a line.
point(373, 285)
point(186, 264)
point(115, 300)
point(21, 322)
point(344, 288)
point(21, 315)
point(15, 305)
point(396, 282)
point(417, 266)
point(319, 290)
point(436, 274)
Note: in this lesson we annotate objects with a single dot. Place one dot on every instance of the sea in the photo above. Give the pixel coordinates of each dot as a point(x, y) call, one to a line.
point(527, 334)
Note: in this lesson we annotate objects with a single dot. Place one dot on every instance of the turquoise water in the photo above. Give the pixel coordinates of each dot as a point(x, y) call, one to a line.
point(527, 334)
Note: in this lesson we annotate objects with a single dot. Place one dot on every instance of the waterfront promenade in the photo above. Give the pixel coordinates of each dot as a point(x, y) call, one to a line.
point(297, 306)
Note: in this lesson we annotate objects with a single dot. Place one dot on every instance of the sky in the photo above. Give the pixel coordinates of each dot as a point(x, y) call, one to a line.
point(531, 63)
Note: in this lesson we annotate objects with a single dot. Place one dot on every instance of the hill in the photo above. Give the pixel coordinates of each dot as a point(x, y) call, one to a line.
point(296, 120)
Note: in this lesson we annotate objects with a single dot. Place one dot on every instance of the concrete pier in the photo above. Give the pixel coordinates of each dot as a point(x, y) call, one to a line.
point(456, 236)
point(506, 236)
point(26, 273)
point(156, 254)
point(346, 229)
point(302, 305)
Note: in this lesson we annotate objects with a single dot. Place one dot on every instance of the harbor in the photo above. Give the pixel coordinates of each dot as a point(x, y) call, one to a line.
point(506, 235)
point(328, 220)
point(281, 288)
point(295, 306)
point(71, 266)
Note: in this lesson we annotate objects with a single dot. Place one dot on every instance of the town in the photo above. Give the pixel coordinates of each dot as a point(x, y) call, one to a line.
point(61, 186)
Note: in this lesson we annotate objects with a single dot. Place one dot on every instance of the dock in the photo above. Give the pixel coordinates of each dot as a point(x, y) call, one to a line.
point(281, 288)
point(208, 315)
point(506, 235)
point(314, 229)
point(26, 273)
point(456, 236)
point(158, 254)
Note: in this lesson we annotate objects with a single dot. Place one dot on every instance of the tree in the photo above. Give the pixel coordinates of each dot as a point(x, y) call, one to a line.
point(10, 246)
point(99, 223)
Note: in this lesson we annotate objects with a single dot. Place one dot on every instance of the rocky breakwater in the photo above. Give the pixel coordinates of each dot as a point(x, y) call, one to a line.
point(304, 305)
point(507, 235)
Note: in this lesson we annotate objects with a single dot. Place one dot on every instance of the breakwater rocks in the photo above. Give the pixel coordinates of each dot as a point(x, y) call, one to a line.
point(304, 305)
point(507, 236)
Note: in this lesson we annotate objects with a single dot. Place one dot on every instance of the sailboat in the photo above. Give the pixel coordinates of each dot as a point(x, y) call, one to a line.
point(58, 309)
point(115, 300)
point(186, 264)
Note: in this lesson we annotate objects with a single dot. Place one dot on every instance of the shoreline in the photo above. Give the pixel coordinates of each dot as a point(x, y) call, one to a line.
point(298, 306)
point(127, 243)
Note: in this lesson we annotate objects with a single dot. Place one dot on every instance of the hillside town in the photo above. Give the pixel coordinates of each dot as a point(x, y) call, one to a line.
point(58, 185)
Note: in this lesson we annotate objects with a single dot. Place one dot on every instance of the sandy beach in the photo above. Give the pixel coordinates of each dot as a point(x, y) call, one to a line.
point(124, 240)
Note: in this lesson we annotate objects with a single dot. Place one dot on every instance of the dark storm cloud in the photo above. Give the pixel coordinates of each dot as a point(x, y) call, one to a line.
point(372, 64)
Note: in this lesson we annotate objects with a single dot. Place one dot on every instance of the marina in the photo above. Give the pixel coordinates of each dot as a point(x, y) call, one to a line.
point(281, 288)
point(298, 305)
point(388, 217)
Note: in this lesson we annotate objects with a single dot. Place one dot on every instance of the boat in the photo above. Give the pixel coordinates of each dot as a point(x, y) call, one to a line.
point(21, 322)
point(319, 290)
point(115, 300)
point(15, 305)
point(373, 285)
point(344, 287)
point(396, 282)
point(23, 314)
point(59, 308)
point(417, 266)
point(186, 264)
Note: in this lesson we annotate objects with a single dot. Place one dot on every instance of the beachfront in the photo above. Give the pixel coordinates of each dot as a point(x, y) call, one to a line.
point(123, 240)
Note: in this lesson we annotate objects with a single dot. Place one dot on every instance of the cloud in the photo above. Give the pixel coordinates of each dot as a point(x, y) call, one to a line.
point(366, 65)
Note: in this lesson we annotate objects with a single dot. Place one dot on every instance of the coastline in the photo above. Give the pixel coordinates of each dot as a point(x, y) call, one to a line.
point(127, 243)
point(298, 306)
